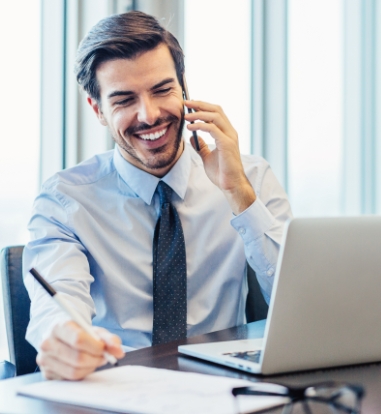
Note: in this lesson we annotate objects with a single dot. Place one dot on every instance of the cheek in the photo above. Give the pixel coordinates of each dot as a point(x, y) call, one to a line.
point(176, 106)
point(120, 122)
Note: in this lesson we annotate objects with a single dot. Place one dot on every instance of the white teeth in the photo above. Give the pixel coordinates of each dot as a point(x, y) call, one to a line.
point(154, 136)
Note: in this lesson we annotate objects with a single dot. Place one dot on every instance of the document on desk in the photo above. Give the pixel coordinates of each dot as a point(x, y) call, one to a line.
point(142, 390)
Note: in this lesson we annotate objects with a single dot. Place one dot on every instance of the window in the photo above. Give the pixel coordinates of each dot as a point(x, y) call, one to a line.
point(217, 59)
point(315, 114)
point(19, 123)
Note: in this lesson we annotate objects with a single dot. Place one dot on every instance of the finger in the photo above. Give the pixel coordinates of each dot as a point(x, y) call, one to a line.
point(208, 117)
point(53, 368)
point(213, 130)
point(50, 375)
point(74, 336)
point(204, 106)
point(54, 348)
point(113, 342)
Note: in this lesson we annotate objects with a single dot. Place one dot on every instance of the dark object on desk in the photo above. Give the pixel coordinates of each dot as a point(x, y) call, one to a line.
point(336, 395)
point(16, 310)
point(256, 306)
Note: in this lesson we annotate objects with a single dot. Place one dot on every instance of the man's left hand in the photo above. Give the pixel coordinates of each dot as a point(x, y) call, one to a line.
point(222, 165)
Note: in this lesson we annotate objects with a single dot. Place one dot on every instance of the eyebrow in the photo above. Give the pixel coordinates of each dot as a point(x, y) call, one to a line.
point(129, 93)
point(162, 83)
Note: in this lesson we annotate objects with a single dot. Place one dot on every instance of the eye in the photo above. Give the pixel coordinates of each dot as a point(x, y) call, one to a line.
point(124, 101)
point(162, 91)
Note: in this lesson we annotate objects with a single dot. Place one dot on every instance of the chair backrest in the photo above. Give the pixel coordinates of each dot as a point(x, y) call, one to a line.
point(256, 306)
point(16, 310)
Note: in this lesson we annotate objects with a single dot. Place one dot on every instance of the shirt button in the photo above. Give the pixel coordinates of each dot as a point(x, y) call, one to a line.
point(270, 272)
point(242, 230)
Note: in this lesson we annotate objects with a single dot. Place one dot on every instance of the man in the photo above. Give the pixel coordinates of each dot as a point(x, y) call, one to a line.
point(94, 228)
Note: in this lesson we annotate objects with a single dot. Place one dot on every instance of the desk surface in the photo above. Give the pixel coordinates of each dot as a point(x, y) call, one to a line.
point(166, 356)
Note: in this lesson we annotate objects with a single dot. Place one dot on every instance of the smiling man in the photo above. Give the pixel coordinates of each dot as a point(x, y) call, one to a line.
point(147, 242)
point(144, 112)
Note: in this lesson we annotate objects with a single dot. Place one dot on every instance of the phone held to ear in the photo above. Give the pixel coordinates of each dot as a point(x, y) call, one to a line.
point(186, 96)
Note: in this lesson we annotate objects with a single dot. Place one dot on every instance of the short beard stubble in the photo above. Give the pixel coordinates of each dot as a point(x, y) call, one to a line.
point(158, 160)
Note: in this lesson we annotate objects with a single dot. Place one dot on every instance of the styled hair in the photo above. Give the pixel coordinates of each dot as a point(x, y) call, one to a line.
point(122, 36)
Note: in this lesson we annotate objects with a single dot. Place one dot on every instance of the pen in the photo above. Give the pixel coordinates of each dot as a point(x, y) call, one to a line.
point(58, 297)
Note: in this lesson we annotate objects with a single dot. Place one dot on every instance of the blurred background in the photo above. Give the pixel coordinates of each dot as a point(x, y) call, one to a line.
point(299, 80)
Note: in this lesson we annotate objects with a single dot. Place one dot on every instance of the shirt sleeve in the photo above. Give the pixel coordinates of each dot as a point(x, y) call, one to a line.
point(56, 252)
point(261, 227)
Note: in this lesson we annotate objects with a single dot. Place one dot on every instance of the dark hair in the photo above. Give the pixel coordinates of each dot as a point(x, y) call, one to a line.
point(122, 36)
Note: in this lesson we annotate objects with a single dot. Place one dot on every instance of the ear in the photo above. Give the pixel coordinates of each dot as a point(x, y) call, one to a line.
point(98, 112)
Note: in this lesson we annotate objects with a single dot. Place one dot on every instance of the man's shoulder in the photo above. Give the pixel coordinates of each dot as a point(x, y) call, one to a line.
point(86, 172)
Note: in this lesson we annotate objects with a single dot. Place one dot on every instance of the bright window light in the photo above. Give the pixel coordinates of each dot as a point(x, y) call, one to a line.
point(217, 59)
point(19, 124)
point(315, 110)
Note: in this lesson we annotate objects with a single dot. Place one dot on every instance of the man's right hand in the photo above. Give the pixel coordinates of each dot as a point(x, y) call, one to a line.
point(71, 353)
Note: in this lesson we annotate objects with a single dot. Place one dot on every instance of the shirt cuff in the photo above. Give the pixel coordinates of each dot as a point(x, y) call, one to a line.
point(254, 222)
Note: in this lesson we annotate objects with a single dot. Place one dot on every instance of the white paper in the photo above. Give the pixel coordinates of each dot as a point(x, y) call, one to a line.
point(142, 390)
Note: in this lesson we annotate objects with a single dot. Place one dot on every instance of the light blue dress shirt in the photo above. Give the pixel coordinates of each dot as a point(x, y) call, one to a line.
point(91, 238)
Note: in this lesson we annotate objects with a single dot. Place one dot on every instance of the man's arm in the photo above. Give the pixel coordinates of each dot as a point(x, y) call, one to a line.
point(260, 219)
point(64, 350)
point(261, 225)
point(222, 165)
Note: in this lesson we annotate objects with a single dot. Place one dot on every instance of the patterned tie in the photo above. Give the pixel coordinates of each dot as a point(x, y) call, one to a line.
point(169, 273)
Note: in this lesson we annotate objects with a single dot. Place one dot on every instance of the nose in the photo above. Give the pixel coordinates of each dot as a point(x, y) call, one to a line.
point(148, 111)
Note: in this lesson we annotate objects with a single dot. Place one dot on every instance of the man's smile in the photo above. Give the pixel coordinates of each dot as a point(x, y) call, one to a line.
point(153, 135)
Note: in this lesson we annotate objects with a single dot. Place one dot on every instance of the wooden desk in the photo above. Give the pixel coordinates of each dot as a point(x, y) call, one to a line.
point(166, 356)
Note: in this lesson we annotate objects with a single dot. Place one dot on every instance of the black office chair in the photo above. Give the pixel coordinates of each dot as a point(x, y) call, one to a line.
point(256, 306)
point(16, 310)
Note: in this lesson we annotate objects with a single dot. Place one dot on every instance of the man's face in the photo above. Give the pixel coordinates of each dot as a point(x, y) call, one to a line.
point(142, 104)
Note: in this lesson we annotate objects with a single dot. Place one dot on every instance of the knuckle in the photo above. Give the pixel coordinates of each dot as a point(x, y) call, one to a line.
point(77, 339)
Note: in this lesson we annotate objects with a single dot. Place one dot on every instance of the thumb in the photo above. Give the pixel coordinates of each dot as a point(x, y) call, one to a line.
point(204, 149)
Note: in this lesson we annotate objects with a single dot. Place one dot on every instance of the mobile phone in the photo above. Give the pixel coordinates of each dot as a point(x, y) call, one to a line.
point(186, 96)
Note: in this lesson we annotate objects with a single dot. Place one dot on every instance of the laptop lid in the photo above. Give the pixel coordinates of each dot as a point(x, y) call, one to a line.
point(325, 305)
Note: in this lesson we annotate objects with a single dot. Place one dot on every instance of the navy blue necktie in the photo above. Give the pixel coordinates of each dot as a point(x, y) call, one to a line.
point(169, 273)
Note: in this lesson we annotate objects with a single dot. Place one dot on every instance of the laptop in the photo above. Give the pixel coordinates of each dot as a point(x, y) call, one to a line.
point(325, 308)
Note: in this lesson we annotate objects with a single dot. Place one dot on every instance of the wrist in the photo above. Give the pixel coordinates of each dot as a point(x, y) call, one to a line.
point(240, 197)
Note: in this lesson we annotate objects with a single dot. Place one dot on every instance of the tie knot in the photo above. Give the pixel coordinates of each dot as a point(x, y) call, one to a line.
point(165, 192)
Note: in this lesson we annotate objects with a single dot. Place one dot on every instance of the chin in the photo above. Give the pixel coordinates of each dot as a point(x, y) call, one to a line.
point(159, 160)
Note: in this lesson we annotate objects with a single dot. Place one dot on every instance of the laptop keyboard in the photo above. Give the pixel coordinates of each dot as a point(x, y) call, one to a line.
point(252, 356)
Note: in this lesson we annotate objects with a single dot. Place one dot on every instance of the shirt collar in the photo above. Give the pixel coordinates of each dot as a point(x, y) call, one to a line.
point(144, 184)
